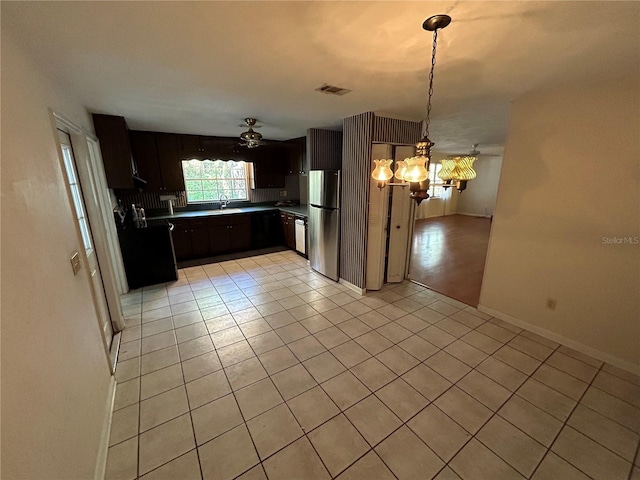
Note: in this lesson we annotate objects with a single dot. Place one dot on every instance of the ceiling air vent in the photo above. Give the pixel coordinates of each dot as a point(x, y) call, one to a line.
point(331, 90)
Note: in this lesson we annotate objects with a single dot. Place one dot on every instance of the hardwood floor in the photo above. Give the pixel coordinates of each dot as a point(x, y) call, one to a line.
point(448, 255)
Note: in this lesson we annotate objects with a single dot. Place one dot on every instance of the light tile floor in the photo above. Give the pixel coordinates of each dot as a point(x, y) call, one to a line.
point(260, 368)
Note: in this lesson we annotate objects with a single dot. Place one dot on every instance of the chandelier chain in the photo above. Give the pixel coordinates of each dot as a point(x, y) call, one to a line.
point(433, 65)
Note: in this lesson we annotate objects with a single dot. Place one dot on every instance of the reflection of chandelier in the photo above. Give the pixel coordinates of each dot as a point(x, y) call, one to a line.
point(415, 170)
point(251, 138)
point(458, 170)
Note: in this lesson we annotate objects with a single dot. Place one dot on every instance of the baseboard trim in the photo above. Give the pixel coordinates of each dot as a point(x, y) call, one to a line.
point(101, 463)
point(567, 342)
point(473, 215)
point(351, 286)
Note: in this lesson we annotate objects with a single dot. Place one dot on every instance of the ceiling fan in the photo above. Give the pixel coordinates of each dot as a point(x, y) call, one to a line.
point(250, 138)
point(473, 153)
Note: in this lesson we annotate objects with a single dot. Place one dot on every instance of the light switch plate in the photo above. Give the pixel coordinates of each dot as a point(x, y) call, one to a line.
point(75, 263)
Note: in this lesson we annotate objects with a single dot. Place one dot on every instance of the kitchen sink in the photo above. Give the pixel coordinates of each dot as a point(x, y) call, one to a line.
point(231, 210)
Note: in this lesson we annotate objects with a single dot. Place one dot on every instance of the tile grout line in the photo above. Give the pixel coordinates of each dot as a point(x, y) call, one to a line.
point(396, 344)
point(564, 424)
point(473, 436)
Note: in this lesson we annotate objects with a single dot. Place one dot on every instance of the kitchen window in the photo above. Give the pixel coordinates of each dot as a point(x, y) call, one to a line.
point(207, 180)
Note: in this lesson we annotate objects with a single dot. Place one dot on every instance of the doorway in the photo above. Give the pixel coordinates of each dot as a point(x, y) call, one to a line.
point(448, 255)
point(451, 233)
point(92, 262)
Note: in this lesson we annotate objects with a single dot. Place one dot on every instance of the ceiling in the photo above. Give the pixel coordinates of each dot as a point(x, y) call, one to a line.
point(201, 67)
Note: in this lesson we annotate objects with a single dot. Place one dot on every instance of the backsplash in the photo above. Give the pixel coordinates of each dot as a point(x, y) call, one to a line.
point(151, 200)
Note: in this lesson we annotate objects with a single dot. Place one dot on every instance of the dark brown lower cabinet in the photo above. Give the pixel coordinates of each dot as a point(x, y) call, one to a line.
point(181, 234)
point(219, 239)
point(200, 241)
point(240, 236)
point(215, 235)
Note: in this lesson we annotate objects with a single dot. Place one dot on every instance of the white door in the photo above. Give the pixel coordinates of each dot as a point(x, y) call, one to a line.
point(400, 226)
point(378, 222)
point(98, 292)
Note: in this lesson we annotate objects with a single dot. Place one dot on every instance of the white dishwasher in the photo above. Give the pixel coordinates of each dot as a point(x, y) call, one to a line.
point(301, 236)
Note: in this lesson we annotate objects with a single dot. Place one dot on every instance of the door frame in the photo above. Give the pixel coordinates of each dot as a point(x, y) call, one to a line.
point(93, 183)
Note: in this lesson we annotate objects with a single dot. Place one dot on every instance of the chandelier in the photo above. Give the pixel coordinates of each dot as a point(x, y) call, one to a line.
point(415, 170)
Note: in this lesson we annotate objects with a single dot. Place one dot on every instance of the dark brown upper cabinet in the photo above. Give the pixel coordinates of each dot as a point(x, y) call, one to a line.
point(145, 154)
point(156, 155)
point(169, 162)
point(296, 156)
point(113, 134)
point(269, 165)
point(189, 147)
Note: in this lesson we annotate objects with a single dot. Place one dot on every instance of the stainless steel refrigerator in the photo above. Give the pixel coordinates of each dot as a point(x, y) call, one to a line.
point(324, 222)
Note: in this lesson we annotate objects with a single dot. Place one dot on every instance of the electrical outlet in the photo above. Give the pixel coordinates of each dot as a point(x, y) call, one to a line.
point(551, 303)
point(283, 193)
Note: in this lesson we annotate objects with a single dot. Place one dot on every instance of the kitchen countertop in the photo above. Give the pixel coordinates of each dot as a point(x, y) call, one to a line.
point(296, 210)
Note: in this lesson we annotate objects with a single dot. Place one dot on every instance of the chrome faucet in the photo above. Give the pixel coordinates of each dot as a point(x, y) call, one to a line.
point(224, 201)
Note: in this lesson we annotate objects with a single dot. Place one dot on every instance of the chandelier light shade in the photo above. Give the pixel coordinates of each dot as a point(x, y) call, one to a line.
point(382, 172)
point(401, 170)
point(459, 169)
point(415, 170)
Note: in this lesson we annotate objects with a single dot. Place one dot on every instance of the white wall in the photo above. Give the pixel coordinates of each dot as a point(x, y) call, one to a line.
point(55, 374)
point(570, 177)
point(479, 198)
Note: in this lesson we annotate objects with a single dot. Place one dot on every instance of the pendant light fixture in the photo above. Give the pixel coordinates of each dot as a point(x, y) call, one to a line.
point(458, 170)
point(415, 170)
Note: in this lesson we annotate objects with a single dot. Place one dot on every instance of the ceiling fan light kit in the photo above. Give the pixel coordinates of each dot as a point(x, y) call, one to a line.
point(250, 138)
point(414, 171)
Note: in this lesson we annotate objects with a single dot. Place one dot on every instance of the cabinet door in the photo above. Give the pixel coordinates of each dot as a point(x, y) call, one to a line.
point(200, 242)
point(240, 236)
point(116, 152)
point(169, 162)
point(269, 167)
point(219, 241)
point(189, 147)
point(240, 232)
point(212, 148)
point(181, 235)
point(145, 154)
point(296, 152)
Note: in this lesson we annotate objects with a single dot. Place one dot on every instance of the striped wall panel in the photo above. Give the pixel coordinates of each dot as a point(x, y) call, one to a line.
point(324, 149)
point(356, 161)
point(360, 132)
point(395, 131)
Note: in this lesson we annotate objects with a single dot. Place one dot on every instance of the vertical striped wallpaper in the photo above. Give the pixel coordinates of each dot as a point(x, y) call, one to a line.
point(395, 131)
point(360, 131)
point(356, 161)
point(324, 149)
